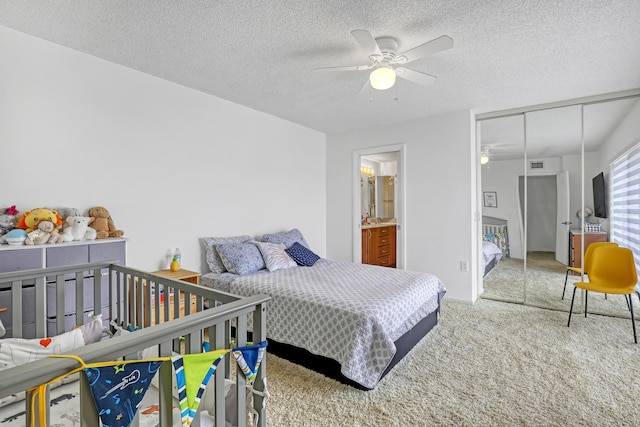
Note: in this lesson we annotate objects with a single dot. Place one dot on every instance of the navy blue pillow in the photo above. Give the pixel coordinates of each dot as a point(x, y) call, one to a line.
point(302, 255)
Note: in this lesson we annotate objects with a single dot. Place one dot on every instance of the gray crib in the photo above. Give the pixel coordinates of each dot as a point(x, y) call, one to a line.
point(123, 295)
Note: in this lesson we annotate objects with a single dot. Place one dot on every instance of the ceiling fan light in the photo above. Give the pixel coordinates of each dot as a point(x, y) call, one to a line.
point(484, 159)
point(382, 78)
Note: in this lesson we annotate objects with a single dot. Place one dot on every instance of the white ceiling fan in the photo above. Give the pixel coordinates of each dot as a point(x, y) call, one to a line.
point(387, 63)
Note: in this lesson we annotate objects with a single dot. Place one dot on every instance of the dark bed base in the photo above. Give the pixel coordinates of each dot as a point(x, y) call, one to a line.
point(331, 368)
point(490, 266)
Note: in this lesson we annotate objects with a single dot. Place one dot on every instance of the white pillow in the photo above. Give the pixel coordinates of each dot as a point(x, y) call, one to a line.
point(92, 331)
point(18, 351)
point(274, 255)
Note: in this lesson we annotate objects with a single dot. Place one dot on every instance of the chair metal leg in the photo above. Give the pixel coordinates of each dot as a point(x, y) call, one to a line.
point(633, 322)
point(571, 309)
point(566, 276)
point(627, 298)
point(586, 298)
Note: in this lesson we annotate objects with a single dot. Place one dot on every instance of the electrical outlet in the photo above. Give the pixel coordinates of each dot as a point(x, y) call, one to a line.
point(464, 265)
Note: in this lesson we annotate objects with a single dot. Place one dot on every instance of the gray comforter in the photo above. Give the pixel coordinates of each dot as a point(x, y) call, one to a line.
point(349, 312)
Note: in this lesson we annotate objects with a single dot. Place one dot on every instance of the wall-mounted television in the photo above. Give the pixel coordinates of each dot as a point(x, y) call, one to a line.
point(599, 196)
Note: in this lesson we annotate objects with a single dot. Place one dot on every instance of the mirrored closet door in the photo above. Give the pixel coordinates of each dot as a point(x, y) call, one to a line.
point(606, 123)
point(538, 171)
point(502, 164)
point(551, 194)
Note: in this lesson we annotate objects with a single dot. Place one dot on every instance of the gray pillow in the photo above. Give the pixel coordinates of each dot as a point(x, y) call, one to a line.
point(213, 259)
point(240, 258)
point(288, 238)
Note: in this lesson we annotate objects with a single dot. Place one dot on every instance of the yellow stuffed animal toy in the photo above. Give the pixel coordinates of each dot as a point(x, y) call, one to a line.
point(30, 220)
point(42, 226)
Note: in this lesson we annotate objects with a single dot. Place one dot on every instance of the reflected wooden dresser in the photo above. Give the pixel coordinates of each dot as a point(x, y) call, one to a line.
point(575, 244)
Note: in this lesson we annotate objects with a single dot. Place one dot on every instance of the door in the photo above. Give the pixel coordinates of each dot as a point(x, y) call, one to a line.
point(563, 222)
point(375, 162)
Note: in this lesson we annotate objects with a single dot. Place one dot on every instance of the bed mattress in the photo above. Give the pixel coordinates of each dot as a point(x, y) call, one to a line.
point(491, 254)
point(349, 312)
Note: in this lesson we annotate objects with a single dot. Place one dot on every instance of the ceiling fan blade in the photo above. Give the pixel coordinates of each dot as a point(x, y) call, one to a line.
point(367, 42)
point(366, 88)
point(347, 68)
point(428, 48)
point(415, 76)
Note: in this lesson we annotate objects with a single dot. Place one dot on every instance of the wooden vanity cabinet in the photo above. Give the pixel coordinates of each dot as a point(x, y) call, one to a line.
point(379, 246)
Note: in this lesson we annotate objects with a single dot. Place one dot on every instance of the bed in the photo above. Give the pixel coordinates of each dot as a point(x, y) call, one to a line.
point(352, 322)
point(495, 242)
point(125, 332)
point(491, 254)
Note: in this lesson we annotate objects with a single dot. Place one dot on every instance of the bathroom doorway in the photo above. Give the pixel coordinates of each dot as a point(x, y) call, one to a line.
point(378, 206)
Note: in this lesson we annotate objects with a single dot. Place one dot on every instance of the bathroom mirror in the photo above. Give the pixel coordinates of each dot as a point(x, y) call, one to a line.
point(377, 186)
point(380, 196)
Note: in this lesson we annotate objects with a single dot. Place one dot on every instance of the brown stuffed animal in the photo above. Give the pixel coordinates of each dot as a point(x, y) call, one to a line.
point(103, 224)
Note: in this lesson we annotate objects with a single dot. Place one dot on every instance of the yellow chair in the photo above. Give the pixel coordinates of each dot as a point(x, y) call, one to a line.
point(612, 271)
point(587, 262)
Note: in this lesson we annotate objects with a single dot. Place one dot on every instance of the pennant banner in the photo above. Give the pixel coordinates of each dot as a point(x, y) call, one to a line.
point(193, 372)
point(118, 389)
point(249, 359)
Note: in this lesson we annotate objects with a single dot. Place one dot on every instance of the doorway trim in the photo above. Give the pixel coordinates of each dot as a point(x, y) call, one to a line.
point(356, 226)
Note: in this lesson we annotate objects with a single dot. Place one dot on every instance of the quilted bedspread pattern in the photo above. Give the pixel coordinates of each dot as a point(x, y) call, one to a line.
point(349, 312)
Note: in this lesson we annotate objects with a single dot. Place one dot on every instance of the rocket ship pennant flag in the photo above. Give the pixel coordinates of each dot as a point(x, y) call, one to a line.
point(249, 359)
point(118, 389)
point(193, 372)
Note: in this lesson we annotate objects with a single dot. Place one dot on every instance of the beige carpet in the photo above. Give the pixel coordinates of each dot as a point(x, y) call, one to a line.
point(487, 364)
point(544, 283)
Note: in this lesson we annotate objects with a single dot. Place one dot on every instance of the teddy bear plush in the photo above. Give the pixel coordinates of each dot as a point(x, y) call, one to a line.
point(103, 224)
point(43, 234)
point(77, 228)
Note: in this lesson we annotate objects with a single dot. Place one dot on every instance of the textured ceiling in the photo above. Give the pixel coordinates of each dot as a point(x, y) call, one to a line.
point(262, 54)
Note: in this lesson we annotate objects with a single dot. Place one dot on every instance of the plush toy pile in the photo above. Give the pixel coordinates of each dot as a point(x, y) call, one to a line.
point(47, 226)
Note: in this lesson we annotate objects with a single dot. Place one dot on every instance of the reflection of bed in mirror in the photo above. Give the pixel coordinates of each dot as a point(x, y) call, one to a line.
point(495, 242)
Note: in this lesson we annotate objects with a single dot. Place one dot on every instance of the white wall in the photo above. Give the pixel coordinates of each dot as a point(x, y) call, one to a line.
point(171, 164)
point(439, 184)
point(502, 176)
point(626, 134)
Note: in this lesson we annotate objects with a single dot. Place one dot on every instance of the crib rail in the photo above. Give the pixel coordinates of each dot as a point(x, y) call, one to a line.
point(129, 303)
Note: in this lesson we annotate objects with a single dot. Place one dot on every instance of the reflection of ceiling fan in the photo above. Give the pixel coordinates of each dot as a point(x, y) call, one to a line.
point(387, 63)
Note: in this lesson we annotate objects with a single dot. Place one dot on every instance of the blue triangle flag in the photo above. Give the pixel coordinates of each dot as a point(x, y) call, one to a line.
point(249, 359)
point(118, 389)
